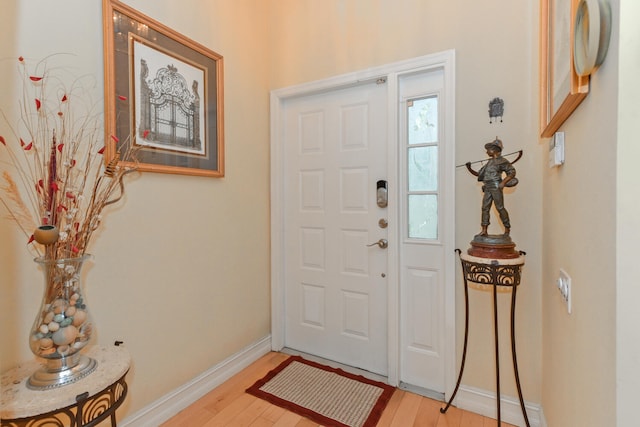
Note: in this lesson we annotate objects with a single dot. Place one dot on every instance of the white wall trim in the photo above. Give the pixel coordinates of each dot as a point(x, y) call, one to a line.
point(543, 420)
point(469, 398)
point(484, 403)
point(170, 404)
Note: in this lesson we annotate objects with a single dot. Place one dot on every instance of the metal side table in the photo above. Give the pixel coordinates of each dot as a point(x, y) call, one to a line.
point(84, 403)
point(492, 273)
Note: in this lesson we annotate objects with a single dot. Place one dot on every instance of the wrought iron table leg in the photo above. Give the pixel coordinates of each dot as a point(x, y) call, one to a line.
point(466, 339)
point(496, 275)
point(513, 353)
point(497, 349)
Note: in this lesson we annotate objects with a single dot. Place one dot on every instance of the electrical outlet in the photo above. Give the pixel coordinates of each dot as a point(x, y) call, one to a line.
point(564, 286)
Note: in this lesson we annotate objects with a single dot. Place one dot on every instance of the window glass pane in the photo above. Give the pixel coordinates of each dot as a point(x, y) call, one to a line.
point(422, 165)
point(423, 216)
point(423, 120)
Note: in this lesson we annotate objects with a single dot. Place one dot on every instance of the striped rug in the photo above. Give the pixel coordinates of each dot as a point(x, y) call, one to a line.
point(326, 395)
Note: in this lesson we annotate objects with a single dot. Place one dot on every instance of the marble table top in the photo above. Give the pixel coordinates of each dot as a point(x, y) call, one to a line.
point(18, 401)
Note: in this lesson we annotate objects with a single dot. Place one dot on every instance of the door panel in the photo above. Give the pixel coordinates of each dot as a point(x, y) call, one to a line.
point(425, 245)
point(335, 285)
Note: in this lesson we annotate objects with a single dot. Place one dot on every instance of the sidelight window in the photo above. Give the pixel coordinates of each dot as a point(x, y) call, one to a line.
point(422, 147)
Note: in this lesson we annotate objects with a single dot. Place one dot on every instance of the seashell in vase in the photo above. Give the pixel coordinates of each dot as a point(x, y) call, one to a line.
point(62, 327)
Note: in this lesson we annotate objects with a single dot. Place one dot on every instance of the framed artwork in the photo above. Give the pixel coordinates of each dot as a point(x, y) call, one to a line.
point(561, 89)
point(163, 94)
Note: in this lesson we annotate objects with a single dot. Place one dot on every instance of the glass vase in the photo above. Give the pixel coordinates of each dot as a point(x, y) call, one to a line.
point(63, 325)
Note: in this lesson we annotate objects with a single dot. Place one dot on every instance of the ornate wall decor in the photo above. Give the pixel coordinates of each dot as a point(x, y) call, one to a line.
point(169, 111)
point(496, 109)
point(164, 90)
point(592, 31)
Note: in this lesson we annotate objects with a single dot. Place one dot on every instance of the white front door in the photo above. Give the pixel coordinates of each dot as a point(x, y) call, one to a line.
point(336, 286)
point(335, 292)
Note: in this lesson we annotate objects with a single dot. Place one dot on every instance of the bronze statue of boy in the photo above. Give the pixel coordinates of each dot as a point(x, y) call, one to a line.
point(491, 176)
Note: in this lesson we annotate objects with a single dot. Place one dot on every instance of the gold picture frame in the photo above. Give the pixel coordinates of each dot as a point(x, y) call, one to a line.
point(561, 88)
point(163, 94)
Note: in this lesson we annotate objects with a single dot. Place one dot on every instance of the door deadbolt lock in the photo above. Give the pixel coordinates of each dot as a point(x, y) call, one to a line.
point(382, 244)
point(383, 223)
point(382, 193)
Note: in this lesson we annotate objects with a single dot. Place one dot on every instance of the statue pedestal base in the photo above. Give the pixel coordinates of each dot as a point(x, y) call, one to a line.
point(493, 273)
point(493, 246)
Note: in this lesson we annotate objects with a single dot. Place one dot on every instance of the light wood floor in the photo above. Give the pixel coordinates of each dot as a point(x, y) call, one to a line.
point(229, 405)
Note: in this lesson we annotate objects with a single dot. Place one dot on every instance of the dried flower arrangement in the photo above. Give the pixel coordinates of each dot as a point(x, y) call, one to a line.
point(63, 183)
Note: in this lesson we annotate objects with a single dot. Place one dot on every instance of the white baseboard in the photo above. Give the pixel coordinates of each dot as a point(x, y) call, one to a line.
point(543, 421)
point(170, 404)
point(484, 403)
point(468, 398)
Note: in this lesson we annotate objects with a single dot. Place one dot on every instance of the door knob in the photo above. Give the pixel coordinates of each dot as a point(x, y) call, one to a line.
point(382, 243)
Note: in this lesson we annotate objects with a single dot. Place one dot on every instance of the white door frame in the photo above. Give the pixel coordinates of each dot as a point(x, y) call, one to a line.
point(392, 73)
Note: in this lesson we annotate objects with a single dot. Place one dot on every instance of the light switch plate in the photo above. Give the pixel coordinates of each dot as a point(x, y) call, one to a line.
point(556, 150)
point(564, 286)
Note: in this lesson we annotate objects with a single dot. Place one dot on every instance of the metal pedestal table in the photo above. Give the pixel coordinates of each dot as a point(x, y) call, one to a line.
point(492, 273)
point(84, 403)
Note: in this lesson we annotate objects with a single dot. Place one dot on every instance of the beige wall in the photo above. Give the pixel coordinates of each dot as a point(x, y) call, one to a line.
point(628, 218)
point(182, 265)
point(579, 229)
point(496, 56)
point(181, 270)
